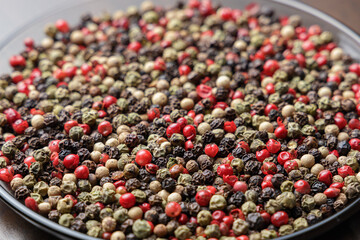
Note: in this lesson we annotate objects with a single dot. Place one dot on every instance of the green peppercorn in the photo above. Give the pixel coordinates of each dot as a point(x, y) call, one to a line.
point(300, 223)
point(66, 219)
point(240, 227)
point(204, 218)
point(217, 202)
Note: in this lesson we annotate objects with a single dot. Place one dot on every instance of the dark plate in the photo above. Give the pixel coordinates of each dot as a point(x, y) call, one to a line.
point(345, 37)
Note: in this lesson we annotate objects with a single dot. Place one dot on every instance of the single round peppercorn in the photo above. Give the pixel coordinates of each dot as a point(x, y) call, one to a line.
point(20, 126)
point(173, 209)
point(71, 161)
point(82, 172)
point(143, 157)
point(203, 198)
point(279, 218)
point(105, 128)
point(273, 146)
point(302, 187)
point(127, 200)
point(211, 150)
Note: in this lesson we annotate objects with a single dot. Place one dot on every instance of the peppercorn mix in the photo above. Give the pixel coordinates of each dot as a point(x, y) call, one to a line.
point(196, 121)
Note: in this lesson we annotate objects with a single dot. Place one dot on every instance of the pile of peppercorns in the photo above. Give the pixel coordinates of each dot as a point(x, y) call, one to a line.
point(193, 122)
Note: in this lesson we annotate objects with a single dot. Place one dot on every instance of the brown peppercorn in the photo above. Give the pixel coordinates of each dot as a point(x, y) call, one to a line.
point(160, 230)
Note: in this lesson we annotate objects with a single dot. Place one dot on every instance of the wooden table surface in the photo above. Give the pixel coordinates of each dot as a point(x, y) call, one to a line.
point(13, 227)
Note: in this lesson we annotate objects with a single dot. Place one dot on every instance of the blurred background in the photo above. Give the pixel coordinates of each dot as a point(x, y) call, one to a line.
point(15, 14)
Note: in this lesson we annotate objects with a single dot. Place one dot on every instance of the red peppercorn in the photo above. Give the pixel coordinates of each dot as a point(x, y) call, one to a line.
point(198, 119)
point(6, 175)
point(145, 207)
point(159, 64)
point(108, 101)
point(230, 126)
point(17, 61)
point(280, 132)
point(224, 229)
point(189, 132)
point(16, 78)
point(153, 113)
point(270, 107)
point(355, 68)
point(308, 45)
point(218, 215)
point(268, 177)
point(334, 78)
point(228, 220)
point(270, 67)
point(302, 187)
point(230, 179)
point(345, 171)
point(325, 176)
point(29, 42)
point(224, 169)
point(99, 204)
point(355, 144)
point(340, 122)
point(86, 128)
point(189, 145)
point(127, 200)
point(62, 25)
point(204, 91)
point(152, 168)
point(105, 128)
point(242, 237)
point(332, 192)
point(268, 168)
point(103, 158)
point(211, 150)
point(69, 124)
point(244, 145)
point(134, 46)
point(225, 13)
point(211, 189)
point(337, 185)
point(82, 172)
point(183, 219)
point(266, 184)
point(31, 203)
point(119, 183)
point(262, 155)
point(182, 121)
point(184, 70)
point(29, 160)
point(290, 165)
point(279, 218)
point(71, 161)
point(173, 209)
point(283, 157)
point(143, 157)
point(303, 98)
point(203, 197)
point(9, 137)
point(270, 88)
point(106, 235)
point(240, 186)
point(85, 69)
point(173, 128)
point(238, 95)
point(20, 126)
point(72, 198)
point(12, 115)
point(266, 216)
point(354, 124)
